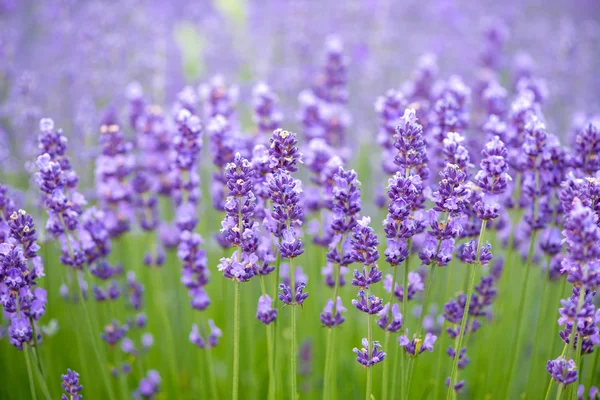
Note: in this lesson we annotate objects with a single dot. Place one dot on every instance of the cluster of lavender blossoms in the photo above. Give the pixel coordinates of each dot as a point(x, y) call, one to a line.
point(20, 267)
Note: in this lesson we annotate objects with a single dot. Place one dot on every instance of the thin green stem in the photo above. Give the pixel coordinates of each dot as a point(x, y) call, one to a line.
point(369, 349)
point(236, 342)
point(326, 372)
point(88, 318)
point(549, 390)
point(438, 375)
point(594, 368)
point(271, 392)
point(29, 373)
point(520, 313)
point(37, 355)
point(211, 373)
point(559, 392)
point(293, 328)
point(404, 301)
point(463, 324)
point(384, 381)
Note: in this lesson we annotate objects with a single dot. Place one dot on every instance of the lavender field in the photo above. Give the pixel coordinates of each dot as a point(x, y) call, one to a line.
point(293, 199)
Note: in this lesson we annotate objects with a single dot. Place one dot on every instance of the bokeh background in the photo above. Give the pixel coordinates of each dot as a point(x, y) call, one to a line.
point(70, 60)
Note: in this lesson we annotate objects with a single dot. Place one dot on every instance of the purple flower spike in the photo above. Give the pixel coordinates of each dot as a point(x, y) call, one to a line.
point(149, 385)
point(265, 313)
point(331, 317)
point(71, 386)
point(467, 253)
point(562, 370)
point(384, 321)
point(368, 304)
point(417, 346)
point(368, 357)
point(286, 294)
point(283, 151)
point(410, 143)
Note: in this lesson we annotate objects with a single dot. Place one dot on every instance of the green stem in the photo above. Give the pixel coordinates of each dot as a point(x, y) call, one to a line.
point(293, 328)
point(369, 348)
point(404, 301)
point(438, 375)
point(559, 392)
point(327, 365)
point(236, 342)
point(384, 381)
point(463, 324)
point(29, 373)
point(594, 368)
point(36, 347)
point(88, 318)
point(271, 392)
point(539, 323)
point(211, 373)
point(520, 317)
point(549, 390)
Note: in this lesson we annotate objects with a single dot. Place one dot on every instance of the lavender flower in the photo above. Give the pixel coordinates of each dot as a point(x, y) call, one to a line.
point(71, 386)
point(417, 346)
point(265, 313)
point(149, 385)
point(384, 321)
point(332, 316)
point(562, 370)
point(288, 298)
point(410, 144)
point(368, 356)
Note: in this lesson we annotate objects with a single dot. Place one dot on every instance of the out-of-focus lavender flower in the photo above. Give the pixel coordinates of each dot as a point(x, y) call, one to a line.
point(368, 356)
point(113, 333)
point(390, 109)
point(265, 312)
point(219, 99)
point(213, 335)
point(384, 321)
point(149, 386)
point(297, 297)
point(187, 144)
point(417, 346)
point(586, 149)
point(114, 165)
point(415, 284)
point(594, 393)
point(331, 317)
point(267, 116)
point(70, 383)
point(194, 272)
point(563, 371)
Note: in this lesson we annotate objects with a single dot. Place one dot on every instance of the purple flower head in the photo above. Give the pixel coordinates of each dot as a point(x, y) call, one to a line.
point(267, 116)
point(149, 385)
point(467, 253)
point(113, 333)
point(265, 312)
point(411, 145)
point(218, 98)
point(346, 200)
point(283, 151)
point(437, 252)
point(562, 370)
point(452, 193)
point(587, 149)
point(415, 284)
point(463, 360)
point(364, 243)
point(20, 331)
point(70, 383)
point(290, 246)
point(286, 294)
point(455, 152)
point(367, 356)
point(240, 269)
point(332, 314)
point(395, 323)
point(284, 193)
point(417, 346)
point(367, 303)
